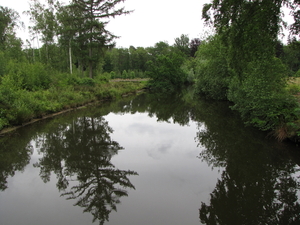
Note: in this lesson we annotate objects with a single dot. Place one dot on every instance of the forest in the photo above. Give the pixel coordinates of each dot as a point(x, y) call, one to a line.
point(243, 61)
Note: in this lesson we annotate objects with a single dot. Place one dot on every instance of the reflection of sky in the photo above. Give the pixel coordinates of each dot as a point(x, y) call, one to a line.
point(171, 184)
point(172, 181)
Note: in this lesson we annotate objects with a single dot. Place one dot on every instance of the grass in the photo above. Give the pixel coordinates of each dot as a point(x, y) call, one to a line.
point(293, 87)
point(24, 106)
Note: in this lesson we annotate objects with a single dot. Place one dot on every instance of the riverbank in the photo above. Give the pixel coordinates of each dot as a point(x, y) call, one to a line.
point(28, 107)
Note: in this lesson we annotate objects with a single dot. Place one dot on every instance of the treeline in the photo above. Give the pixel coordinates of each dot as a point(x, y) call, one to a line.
point(61, 73)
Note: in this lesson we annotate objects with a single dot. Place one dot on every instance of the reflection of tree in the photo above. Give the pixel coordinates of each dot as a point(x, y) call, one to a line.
point(14, 156)
point(261, 202)
point(164, 106)
point(83, 149)
point(258, 185)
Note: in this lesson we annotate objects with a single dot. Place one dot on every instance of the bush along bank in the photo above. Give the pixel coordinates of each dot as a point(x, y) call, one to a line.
point(19, 105)
point(257, 88)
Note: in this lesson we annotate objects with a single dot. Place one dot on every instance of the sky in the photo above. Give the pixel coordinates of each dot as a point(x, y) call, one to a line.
point(152, 21)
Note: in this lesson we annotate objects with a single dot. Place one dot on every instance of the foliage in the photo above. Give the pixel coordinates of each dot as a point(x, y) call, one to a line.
point(9, 21)
point(23, 96)
point(212, 69)
point(29, 76)
point(242, 66)
point(291, 56)
point(92, 34)
point(166, 72)
point(194, 44)
point(182, 44)
point(261, 100)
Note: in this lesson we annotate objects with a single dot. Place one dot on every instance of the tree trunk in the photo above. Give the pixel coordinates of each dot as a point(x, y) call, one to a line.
point(70, 56)
point(90, 62)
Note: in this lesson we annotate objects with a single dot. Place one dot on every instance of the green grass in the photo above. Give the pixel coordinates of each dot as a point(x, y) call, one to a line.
point(21, 106)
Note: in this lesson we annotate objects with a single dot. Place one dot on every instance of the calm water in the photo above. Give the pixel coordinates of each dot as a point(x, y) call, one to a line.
point(147, 160)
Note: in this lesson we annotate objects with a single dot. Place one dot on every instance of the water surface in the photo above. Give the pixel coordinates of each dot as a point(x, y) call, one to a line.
point(150, 159)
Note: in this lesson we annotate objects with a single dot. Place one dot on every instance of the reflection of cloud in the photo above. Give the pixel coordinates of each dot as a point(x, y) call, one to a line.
point(159, 149)
point(164, 147)
point(141, 128)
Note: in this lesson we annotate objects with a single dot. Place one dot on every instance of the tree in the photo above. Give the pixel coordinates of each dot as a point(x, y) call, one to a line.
point(9, 20)
point(295, 27)
point(249, 31)
point(194, 44)
point(182, 44)
point(45, 23)
point(93, 34)
point(165, 71)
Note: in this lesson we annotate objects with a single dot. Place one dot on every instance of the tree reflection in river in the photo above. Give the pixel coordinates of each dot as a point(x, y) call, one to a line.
point(259, 184)
point(14, 156)
point(83, 149)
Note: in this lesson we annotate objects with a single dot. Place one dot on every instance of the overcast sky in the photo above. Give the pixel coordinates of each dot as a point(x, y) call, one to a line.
point(152, 21)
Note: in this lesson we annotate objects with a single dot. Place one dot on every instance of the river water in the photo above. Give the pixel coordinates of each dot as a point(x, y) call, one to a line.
point(152, 159)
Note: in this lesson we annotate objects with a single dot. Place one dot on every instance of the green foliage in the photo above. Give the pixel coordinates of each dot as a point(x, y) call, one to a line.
point(87, 81)
point(165, 71)
point(262, 100)
point(2, 63)
point(124, 74)
point(29, 76)
point(242, 67)
point(188, 68)
point(212, 69)
point(291, 56)
point(182, 44)
point(293, 89)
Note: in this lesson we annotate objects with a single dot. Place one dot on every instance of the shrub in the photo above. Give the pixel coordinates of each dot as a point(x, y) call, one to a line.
point(211, 69)
point(260, 96)
point(30, 76)
point(166, 71)
point(87, 81)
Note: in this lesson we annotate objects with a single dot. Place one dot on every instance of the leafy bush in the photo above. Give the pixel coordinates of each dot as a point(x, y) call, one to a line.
point(30, 76)
point(260, 96)
point(166, 71)
point(212, 71)
point(87, 81)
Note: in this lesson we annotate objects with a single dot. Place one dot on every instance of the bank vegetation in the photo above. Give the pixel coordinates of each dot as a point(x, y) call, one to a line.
point(242, 61)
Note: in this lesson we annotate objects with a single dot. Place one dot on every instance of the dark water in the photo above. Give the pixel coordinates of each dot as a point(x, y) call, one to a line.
point(148, 160)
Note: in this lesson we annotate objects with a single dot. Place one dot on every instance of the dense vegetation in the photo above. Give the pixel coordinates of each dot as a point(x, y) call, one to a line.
point(75, 62)
point(247, 65)
point(243, 62)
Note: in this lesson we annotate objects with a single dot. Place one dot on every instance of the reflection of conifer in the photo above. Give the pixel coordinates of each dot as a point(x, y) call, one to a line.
point(99, 195)
point(83, 150)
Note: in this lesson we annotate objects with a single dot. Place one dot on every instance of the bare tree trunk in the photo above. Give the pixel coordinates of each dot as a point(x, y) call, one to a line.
point(90, 63)
point(70, 56)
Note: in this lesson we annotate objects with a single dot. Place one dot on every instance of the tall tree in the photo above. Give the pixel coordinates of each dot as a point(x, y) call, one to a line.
point(45, 23)
point(94, 35)
point(8, 21)
point(249, 31)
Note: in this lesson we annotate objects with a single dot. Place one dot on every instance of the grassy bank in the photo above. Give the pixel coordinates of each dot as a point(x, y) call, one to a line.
point(19, 106)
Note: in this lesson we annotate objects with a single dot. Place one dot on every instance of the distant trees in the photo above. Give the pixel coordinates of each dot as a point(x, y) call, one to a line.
point(80, 28)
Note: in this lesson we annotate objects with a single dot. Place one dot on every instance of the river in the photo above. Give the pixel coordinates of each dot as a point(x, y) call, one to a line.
point(151, 159)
